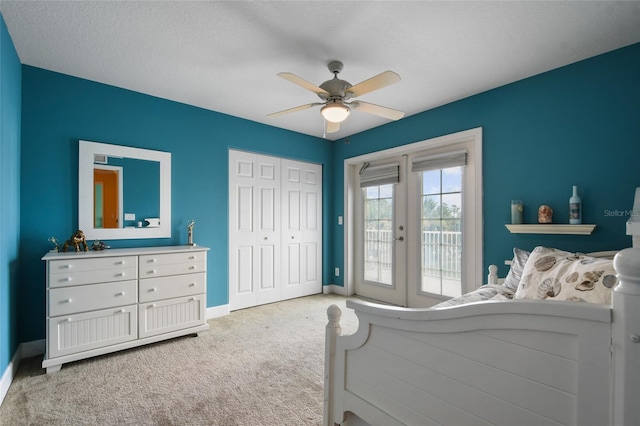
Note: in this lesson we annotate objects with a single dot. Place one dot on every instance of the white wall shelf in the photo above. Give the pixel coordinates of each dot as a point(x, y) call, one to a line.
point(551, 229)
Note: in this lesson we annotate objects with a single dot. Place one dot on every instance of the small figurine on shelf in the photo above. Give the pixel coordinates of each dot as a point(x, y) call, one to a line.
point(545, 214)
point(76, 240)
point(55, 243)
point(190, 226)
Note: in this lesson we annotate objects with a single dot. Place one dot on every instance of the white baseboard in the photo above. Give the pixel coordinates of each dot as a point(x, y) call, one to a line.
point(25, 350)
point(217, 311)
point(7, 376)
point(335, 289)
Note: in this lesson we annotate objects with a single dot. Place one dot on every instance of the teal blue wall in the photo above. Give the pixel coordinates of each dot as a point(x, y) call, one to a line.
point(58, 110)
point(10, 98)
point(576, 125)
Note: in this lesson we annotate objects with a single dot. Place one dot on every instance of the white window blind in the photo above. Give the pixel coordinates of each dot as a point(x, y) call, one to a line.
point(439, 161)
point(379, 175)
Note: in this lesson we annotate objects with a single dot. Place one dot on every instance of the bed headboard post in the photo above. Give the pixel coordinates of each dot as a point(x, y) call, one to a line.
point(625, 335)
point(492, 278)
point(333, 330)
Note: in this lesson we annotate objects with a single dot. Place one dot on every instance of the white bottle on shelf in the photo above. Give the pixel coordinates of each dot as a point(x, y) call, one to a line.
point(575, 208)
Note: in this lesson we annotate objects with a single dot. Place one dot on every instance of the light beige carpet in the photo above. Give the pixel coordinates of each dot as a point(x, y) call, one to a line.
point(257, 366)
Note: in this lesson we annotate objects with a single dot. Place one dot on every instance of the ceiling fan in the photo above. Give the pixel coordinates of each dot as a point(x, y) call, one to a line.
point(335, 92)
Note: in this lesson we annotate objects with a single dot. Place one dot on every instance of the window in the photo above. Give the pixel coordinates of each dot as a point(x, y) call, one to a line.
point(378, 233)
point(441, 231)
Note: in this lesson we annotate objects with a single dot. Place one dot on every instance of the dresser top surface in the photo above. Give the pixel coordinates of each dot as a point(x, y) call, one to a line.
point(134, 251)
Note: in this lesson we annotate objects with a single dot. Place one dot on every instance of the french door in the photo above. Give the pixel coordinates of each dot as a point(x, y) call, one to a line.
point(417, 238)
point(381, 230)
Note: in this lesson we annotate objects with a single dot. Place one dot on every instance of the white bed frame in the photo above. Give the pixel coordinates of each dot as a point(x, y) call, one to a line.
point(517, 362)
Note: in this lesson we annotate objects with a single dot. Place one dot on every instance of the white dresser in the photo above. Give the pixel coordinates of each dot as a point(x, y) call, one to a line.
point(105, 301)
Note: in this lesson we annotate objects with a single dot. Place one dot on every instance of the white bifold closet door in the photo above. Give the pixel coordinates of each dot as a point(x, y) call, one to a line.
point(275, 229)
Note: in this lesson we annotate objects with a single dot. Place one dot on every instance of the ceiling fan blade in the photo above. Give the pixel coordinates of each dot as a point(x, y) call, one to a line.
point(331, 126)
point(374, 83)
point(302, 83)
point(381, 111)
point(298, 108)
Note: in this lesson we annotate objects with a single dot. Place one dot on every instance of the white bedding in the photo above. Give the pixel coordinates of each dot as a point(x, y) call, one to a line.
point(486, 292)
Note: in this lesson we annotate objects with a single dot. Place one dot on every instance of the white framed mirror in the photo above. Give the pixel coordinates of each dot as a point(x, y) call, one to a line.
point(123, 192)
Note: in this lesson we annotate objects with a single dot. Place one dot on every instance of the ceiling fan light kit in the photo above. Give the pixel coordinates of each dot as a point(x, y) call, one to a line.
point(335, 92)
point(335, 111)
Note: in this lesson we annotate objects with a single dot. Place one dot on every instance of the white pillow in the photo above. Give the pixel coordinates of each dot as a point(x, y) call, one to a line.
point(559, 275)
point(514, 276)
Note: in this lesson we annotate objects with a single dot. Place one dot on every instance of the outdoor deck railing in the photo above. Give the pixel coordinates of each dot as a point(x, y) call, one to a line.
point(441, 252)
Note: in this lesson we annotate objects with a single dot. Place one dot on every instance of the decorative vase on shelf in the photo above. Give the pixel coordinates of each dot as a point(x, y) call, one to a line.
point(575, 208)
point(516, 212)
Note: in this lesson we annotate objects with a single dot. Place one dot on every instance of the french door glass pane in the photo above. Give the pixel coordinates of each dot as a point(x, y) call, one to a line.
point(378, 234)
point(441, 232)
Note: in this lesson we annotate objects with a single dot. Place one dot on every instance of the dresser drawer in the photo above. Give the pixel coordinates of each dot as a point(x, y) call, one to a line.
point(174, 286)
point(68, 300)
point(65, 279)
point(170, 315)
point(173, 258)
point(92, 264)
point(162, 269)
point(91, 330)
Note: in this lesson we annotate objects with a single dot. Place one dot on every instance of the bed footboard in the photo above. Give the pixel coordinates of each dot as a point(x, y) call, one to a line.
point(487, 363)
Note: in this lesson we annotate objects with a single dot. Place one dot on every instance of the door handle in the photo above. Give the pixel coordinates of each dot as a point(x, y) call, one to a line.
point(399, 239)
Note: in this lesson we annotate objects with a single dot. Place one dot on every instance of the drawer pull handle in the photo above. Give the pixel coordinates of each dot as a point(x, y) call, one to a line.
point(121, 274)
point(67, 320)
point(66, 267)
point(121, 262)
point(67, 300)
point(192, 284)
point(153, 271)
point(193, 299)
point(121, 311)
point(153, 289)
point(67, 279)
point(120, 294)
point(152, 260)
point(153, 305)
point(192, 267)
point(192, 257)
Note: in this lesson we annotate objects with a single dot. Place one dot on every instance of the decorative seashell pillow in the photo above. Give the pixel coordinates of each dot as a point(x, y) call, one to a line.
point(559, 275)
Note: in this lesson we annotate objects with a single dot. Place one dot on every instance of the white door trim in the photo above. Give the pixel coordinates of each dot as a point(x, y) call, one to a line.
point(350, 186)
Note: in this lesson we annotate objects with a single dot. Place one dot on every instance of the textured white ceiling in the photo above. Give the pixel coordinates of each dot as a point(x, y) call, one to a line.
point(224, 55)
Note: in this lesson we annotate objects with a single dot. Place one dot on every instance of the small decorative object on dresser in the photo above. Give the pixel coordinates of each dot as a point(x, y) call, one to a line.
point(99, 245)
point(76, 240)
point(105, 301)
point(55, 243)
point(545, 214)
point(190, 226)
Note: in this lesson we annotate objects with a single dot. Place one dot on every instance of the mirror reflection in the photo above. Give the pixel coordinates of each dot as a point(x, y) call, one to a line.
point(124, 192)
